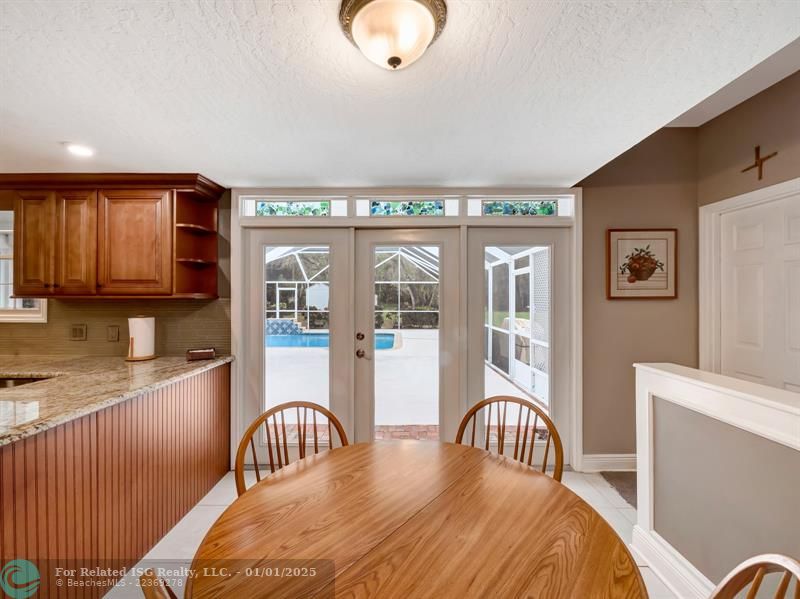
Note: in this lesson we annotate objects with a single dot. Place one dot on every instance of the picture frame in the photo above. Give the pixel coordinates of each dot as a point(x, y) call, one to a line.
point(641, 264)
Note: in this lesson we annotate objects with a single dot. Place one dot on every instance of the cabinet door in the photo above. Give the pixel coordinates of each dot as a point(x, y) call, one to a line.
point(76, 243)
point(134, 242)
point(34, 234)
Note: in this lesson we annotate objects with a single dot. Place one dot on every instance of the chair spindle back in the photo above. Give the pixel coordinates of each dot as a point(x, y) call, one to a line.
point(752, 571)
point(305, 431)
point(524, 433)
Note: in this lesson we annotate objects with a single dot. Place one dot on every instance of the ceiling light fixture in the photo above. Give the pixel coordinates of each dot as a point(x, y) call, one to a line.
point(78, 149)
point(392, 33)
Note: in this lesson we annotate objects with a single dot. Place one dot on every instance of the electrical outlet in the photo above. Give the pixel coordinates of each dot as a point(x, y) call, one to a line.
point(112, 333)
point(77, 332)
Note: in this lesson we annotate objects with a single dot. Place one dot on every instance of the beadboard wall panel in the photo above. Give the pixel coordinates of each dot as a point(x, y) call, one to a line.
point(103, 489)
point(48, 494)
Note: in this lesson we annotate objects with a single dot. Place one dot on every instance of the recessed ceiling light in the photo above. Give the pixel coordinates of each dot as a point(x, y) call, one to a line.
point(79, 149)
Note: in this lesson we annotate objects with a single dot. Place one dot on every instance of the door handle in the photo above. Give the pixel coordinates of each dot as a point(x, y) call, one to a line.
point(360, 353)
point(360, 336)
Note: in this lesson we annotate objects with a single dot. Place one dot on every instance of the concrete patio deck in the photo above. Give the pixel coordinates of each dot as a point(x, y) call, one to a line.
point(406, 383)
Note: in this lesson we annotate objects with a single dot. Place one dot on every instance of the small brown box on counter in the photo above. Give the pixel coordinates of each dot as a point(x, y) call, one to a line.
point(201, 354)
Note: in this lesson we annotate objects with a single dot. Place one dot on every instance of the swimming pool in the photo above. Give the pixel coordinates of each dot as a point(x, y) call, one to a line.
point(382, 340)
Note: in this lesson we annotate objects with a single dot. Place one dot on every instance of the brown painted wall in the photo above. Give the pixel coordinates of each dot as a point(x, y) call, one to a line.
point(659, 183)
point(770, 119)
point(180, 324)
point(653, 185)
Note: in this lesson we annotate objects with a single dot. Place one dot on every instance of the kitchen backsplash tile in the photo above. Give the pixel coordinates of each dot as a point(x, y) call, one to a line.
point(180, 325)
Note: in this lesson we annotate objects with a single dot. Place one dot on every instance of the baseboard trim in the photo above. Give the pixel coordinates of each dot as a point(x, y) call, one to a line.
point(678, 573)
point(605, 462)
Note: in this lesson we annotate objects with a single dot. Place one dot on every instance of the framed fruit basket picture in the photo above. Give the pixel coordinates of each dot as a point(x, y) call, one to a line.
point(642, 263)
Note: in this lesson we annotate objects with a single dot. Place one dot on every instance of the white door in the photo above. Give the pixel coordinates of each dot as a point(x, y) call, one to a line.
point(519, 319)
point(382, 326)
point(760, 293)
point(298, 315)
point(407, 311)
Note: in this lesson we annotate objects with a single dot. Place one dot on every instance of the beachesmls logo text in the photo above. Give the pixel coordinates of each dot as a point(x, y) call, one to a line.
point(19, 579)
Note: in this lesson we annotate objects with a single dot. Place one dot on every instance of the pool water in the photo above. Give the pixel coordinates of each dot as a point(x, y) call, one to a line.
point(382, 340)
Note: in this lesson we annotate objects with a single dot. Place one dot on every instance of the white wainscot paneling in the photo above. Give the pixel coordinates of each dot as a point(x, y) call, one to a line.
point(759, 409)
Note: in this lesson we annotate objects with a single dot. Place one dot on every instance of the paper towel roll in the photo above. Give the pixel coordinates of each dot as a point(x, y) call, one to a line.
point(142, 335)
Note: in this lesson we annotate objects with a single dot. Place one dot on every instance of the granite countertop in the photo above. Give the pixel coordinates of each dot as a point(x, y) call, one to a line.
point(76, 386)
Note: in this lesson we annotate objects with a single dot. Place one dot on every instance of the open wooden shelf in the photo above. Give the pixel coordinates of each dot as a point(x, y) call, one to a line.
point(193, 211)
point(196, 261)
point(196, 243)
point(196, 229)
point(198, 276)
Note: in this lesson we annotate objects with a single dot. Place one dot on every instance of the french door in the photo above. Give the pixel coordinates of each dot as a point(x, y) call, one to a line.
point(519, 326)
point(372, 333)
point(407, 334)
point(399, 331)
point(297, 318)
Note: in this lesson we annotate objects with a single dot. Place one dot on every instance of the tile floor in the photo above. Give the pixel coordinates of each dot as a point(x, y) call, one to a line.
point(179, 545)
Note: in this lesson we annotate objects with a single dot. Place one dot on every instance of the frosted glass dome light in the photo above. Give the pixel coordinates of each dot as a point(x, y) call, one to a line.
point(392, 33)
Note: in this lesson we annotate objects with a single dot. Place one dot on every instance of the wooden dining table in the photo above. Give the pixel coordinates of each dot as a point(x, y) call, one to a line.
point(408, 519)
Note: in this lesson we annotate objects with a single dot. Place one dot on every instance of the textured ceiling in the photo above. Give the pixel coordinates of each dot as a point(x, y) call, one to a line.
point(271, 92)
point(780, 65)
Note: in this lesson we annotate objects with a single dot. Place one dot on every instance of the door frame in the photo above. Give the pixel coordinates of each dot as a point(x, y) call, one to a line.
point(559, 379)
point(710, 226)
point(240, 224)
point(450, 405)
point(340, 313)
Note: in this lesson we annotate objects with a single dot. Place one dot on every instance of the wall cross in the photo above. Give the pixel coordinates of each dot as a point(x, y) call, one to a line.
point(759, 162)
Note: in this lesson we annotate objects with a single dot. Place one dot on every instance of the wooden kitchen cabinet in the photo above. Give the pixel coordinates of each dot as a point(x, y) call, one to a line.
point(114, 235)
point(75, 243)
point(134, 242)
point(34, 243)
point(55, 242)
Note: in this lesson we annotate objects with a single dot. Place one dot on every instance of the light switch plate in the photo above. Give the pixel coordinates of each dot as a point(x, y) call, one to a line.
point(112, 333)
point(77, 332)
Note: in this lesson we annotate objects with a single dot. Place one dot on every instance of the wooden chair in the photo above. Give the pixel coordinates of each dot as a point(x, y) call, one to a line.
point(153, 587)
point(522, 427)
point(753, 571)
point(277, 440)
